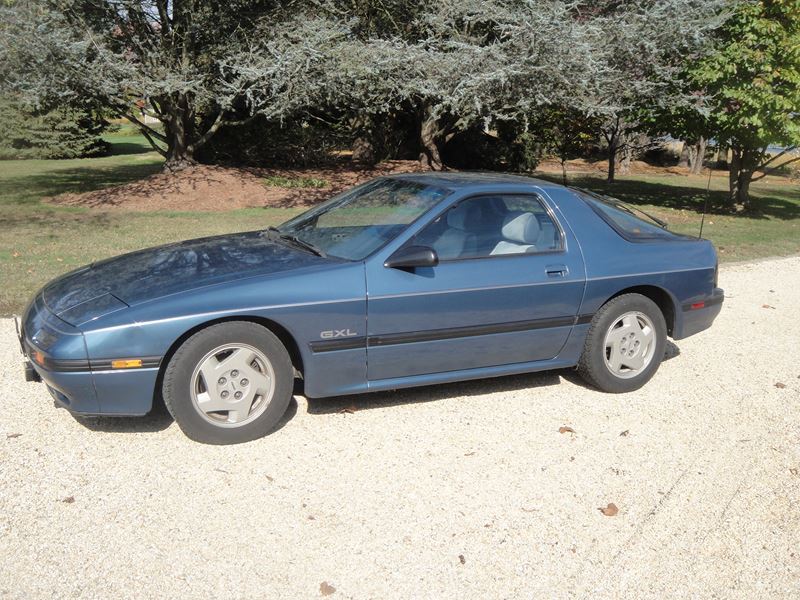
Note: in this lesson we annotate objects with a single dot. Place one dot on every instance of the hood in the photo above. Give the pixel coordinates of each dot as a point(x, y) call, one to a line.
point(137, 277)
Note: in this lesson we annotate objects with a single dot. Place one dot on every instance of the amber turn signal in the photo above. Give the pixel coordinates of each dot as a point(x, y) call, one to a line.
point(38, 357)
point(127, 363)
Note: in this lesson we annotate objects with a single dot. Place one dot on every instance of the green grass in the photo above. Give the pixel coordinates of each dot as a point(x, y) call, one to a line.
point(294, 182)
point(39, 241)
point(772, 229)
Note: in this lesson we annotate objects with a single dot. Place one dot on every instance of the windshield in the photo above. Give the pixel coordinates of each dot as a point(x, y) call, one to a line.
point(623, 218)
point(357, 222)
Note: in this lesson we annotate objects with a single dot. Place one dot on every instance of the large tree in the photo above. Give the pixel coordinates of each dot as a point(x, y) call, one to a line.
point(477, 62)
point(752, 80)
point(643, 47)
point(192, 62)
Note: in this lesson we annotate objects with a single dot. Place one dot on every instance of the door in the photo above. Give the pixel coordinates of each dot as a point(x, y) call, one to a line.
point(507, 289)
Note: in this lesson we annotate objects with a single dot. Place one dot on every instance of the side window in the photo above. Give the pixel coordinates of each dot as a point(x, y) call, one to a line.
point(492, 225)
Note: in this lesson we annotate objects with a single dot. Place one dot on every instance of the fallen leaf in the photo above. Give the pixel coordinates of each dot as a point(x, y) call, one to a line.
point(794, 471)
point(69, 500)
point(780, 385)
point(610, 511)
point(470, 454)
point(529, 510)
point(624, 433)
point(461, 559)
point(11, 436)
point(311, 518)
point(15, 254)
point(326, 589)
point(565, 429)
point(348, 410)
point(767, 306)
point(270, 479)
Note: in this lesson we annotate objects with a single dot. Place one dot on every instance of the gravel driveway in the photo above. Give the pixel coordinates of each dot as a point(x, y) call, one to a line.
point(455, 491)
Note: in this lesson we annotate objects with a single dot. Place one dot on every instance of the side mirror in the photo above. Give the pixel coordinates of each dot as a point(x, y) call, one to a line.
point(409, 257)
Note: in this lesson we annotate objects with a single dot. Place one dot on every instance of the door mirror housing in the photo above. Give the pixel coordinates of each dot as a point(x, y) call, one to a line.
point(409, 257)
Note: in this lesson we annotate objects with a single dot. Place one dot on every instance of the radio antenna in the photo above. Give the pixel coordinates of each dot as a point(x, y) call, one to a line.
point(705, 204)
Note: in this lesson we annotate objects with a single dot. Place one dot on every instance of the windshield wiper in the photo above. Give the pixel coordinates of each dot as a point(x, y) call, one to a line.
point(275, 233)
point(303, 244)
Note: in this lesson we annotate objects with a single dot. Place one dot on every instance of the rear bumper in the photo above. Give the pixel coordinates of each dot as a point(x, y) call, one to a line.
point(699, 314)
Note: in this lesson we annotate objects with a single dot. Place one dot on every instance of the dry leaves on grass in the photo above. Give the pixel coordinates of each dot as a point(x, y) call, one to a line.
point(565, 429)
point(610, 510)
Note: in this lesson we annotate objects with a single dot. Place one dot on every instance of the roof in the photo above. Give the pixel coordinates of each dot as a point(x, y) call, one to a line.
point(462, 179)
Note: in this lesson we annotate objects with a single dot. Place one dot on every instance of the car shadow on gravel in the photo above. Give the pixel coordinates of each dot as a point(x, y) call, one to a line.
point(157, 420)
point(433, 393)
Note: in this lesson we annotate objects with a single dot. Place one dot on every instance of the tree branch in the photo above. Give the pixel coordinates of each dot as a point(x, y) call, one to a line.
point(163, 16)
point(155, 146)
point(218, 122)
point(769, 170)
point(777, 156)
point(145, 128)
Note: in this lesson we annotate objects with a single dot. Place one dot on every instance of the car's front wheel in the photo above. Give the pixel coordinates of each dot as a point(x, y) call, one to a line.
point(625, 344)
point(229, 383)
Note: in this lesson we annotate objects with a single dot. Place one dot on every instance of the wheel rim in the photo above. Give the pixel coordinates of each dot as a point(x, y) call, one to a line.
point(629, 345)
point(232, 385)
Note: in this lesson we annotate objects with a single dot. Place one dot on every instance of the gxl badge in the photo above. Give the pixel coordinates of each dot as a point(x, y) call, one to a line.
point(336, 333)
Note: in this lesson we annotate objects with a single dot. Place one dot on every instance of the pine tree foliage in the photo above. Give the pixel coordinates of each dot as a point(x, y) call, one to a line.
point(64, 132)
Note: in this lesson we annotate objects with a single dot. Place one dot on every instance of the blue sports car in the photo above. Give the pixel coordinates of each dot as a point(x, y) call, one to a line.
point(402, 281)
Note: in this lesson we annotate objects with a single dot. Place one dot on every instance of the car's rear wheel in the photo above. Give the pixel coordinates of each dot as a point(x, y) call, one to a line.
point(625, 344)
point(229, 383)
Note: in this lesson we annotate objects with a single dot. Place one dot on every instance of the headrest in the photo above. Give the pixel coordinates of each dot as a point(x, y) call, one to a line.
point(522, 228)
point(457, 217)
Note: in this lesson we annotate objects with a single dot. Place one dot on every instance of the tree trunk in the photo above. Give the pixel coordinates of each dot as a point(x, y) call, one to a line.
point(722, 156)
point(363, 146)
point(564, 170)
point(428, 134)
point(612, 160)
point(178, 131)
point(626, 156)
point(697, 155)
point(740, 174)
point(683, 162)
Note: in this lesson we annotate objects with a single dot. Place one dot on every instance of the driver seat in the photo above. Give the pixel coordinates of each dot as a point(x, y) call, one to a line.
point(520, 232)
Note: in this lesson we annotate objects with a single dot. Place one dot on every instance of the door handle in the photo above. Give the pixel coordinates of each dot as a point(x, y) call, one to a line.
point(556, 270)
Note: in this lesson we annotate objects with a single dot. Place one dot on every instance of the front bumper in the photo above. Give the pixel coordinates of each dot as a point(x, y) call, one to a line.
point(81, 386)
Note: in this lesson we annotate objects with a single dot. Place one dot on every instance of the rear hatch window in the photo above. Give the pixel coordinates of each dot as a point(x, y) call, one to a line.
point(625, 220)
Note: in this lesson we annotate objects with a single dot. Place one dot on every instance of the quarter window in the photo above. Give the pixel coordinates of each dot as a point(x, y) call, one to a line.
point(492, 225)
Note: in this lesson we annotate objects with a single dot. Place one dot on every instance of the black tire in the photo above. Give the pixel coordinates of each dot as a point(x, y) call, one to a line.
point(178, 382)
point(592, 366)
